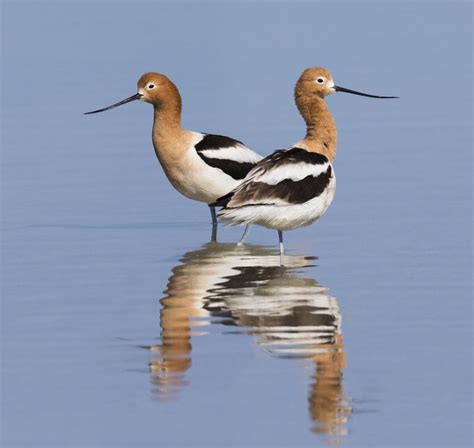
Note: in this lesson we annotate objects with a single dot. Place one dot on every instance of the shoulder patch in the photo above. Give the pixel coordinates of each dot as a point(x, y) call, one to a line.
point(301, 155)
point(211, 141)
point(227, 154)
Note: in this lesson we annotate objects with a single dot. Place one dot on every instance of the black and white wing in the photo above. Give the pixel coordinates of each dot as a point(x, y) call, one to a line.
point(227, 154)
point(286, 177)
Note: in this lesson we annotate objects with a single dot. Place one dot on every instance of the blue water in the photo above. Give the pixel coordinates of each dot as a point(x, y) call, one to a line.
point(121, 326)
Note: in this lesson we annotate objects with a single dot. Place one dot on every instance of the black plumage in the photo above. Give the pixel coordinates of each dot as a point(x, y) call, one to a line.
point(211, 141)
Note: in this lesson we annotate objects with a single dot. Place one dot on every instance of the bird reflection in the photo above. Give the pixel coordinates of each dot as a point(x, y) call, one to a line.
point(245, 286)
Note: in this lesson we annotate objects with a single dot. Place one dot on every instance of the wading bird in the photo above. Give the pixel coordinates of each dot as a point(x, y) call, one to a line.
point(292, 188)
point(200, 166)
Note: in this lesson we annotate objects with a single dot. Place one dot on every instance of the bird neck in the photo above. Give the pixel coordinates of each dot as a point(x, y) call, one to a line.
point(169, 138)
point(321, 134)
point(167, 118)
point(171, 142)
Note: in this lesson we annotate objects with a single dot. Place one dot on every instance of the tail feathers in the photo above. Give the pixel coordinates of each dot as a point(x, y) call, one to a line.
point(222, 201)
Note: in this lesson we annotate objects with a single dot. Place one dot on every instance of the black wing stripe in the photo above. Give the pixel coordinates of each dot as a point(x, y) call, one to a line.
point(290, 191)
point(295, 192)
point(236, 170)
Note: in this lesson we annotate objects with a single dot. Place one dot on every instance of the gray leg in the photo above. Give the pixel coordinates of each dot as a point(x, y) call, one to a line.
point(214, 224)
point(282, 248)
point(244, 235)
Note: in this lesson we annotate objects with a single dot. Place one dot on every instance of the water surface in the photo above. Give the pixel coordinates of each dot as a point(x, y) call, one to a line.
point(121, 326)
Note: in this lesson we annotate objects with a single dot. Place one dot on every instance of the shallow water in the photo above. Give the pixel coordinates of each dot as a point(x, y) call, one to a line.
point(122, 326)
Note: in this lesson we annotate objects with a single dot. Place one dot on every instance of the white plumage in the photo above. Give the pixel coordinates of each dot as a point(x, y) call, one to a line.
point(236, 153)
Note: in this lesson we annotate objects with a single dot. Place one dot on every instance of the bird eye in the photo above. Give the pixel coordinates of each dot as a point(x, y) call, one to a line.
point(151, 86)
point(320, 80)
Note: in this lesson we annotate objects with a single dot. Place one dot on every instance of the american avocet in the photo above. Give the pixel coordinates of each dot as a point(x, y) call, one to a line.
point(200, 166)
point(292, 188)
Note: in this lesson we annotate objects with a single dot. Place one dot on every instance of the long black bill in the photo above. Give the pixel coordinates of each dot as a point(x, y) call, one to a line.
point(137, 96)
point(354, 92)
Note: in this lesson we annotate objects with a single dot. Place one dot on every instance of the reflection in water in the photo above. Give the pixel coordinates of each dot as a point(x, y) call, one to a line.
point(290, 316)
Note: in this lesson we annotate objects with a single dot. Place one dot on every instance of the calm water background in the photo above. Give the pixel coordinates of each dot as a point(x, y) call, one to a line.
point(93, 234)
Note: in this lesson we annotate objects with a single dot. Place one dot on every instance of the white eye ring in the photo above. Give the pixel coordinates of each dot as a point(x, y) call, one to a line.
point(320, 80)
point(150, 86)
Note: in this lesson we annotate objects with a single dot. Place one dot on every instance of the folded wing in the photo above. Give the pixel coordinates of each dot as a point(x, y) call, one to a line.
point(227, 154)
point(292, 176)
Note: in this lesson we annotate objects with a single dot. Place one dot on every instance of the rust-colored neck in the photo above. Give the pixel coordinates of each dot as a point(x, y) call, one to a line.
point(167, 119)
point(169, 139)
point(321, 134)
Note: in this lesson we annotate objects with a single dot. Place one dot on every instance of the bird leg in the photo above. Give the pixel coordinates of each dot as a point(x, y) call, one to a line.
point(282, 248)
point(244, 235)
point(214, 224)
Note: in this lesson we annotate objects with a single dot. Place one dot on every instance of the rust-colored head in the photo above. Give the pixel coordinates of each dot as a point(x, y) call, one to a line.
point(318, 82)
point(315, 81)
point(312, 87)
point(157, 89)
point(153, 88)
